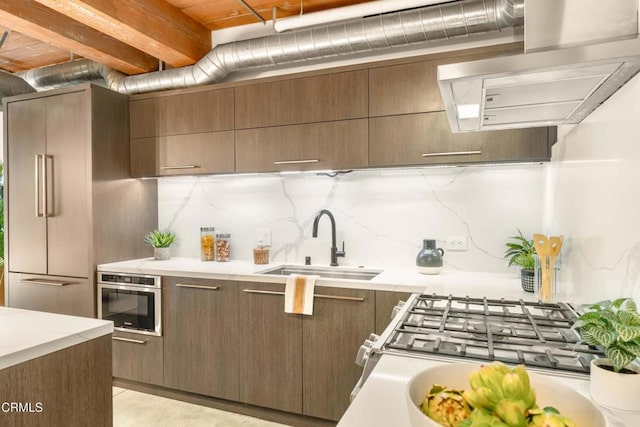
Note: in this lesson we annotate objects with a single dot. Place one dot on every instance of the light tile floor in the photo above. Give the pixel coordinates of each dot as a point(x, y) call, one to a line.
point(131, 408)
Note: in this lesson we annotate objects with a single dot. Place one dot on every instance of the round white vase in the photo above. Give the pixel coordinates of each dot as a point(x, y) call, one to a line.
point(615, 390)
point(161, 253)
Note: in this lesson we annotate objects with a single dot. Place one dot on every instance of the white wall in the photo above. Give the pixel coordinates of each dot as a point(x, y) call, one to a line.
point(382, 215)
point(593, 199)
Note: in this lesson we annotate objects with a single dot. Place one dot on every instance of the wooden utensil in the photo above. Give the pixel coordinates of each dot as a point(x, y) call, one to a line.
point(543, 249)
point(555, 242)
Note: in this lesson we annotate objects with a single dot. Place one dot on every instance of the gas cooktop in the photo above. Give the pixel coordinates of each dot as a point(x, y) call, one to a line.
point(540, 335)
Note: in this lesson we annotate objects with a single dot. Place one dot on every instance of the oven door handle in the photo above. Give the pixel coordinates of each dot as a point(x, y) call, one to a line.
point(129, 340)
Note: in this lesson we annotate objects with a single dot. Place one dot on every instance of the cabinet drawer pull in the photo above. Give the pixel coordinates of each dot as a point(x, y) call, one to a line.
point(452, 153)
point(294, 162)
point(47, 282)
point(359, 299)
point(186, 285)
point(129, 340)
point(168, 168)
point(255, 291)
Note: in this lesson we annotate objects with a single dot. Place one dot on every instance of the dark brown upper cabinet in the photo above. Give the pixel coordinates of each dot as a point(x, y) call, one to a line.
point(321, 98)
point(423, 139)
point(184, 113)
point(404, 89)
point(314, 146)
point(191, 154)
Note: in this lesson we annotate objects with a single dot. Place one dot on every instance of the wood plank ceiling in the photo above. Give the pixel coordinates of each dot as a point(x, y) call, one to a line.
point(131, 36)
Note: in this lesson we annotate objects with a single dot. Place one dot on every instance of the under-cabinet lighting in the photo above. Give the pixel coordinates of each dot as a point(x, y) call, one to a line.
point(468, 111)
point(349, 12)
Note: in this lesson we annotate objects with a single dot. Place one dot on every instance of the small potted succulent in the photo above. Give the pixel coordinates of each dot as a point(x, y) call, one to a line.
point(520, 252)
point(161, 241)
point(614, 326)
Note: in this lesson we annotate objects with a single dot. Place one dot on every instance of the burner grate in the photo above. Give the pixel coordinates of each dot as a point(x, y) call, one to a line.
point(533, 333)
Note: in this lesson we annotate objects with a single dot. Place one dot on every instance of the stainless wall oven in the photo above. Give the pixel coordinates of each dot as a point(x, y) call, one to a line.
point(132, 301)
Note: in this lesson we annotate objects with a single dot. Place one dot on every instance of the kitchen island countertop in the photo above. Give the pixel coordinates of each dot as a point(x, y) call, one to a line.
point(26, 335)
point(474, 284)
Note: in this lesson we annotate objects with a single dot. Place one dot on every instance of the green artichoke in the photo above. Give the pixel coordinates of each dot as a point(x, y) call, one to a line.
point(549, 417)
point(445, 406)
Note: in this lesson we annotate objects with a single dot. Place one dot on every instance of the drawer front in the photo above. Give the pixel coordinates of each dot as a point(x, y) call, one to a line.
point(315, 146)
point(138, 357)
point(54, 294)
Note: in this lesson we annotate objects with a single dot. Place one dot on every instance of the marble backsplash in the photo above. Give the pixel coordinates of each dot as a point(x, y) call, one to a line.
point(381, 215)
point(591, 197)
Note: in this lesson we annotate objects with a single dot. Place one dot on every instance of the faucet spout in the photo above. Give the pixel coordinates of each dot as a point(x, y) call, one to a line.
point(335, 253)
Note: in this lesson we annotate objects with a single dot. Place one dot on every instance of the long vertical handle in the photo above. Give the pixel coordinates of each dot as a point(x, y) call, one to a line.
point(37, 181)
point(48, 209)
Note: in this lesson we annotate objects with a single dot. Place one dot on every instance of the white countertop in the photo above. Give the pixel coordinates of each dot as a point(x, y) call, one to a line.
point(26, 335)
point(474, 284)
point(382, 401)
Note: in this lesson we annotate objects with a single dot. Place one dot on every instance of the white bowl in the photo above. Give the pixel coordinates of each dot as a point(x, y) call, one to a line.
point(549, 392)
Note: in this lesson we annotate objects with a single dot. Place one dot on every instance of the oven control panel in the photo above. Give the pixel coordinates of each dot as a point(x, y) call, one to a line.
point(129, 279)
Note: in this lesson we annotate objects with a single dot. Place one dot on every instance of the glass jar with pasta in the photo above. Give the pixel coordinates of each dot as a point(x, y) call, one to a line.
point(207, 243)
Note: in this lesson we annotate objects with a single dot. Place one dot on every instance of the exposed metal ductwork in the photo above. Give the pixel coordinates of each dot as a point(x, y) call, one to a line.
point(397, 29)
point(10, 84)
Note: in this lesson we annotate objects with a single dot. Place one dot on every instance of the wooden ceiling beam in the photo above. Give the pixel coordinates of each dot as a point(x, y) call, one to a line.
point(152, 26)
point(41, 23)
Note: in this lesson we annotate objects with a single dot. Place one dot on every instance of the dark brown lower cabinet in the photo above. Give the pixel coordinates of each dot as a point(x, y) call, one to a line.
point(72, 385)
point(425, 138)
point(385, 301)
point(342, 319)
point(270, 349)
point(200, 336)
point(137, 357)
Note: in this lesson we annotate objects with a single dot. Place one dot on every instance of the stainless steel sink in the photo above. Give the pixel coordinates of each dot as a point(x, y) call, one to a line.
point(325, 272)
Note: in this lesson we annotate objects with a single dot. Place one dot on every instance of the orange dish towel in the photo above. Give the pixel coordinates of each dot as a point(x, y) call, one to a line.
point(298, 294)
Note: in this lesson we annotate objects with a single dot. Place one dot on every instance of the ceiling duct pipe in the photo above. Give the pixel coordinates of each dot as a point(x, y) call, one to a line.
point(378, 32)
point(10, 85)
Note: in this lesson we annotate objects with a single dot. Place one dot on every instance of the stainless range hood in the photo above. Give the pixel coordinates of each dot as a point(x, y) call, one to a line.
point(536, 89)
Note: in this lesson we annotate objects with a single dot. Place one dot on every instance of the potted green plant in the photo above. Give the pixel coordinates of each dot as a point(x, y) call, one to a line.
point(615, 327)
point(161, 241)
point(520, 252)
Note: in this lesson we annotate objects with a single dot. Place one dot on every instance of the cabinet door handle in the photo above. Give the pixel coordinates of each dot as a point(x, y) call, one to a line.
point(452, 153)
point(37, 186)
point(129, 340)
point(294, 162)
point(187, 285)
point(169, 168)
point(47, 282)
point(255, 291)
point(359, 299)
point(45, 182)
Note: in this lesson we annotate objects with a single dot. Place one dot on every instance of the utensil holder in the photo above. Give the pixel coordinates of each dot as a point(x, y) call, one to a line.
point(550, 294)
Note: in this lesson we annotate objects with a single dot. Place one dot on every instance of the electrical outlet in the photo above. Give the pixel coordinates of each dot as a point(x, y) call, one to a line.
point(263, 236)
point(457, 243)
